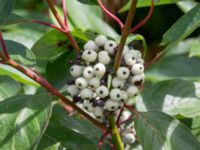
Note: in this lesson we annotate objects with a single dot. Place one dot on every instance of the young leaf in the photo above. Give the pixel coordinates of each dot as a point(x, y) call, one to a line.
point(8, 87)
point(23, 121)
point(183, 27)
point(173, 97)
point(6, 7)
point(157, 130)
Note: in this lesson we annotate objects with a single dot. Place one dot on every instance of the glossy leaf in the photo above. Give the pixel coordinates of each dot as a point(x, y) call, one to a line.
point(8, 87)
point(6, 7)
point(72, 133)
point(157, 130)
point(20, 53)
point(23, 120)
point(183, 27)
point(173, 97)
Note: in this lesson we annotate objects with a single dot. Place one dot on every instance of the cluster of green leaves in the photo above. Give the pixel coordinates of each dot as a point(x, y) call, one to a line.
point(29, 119)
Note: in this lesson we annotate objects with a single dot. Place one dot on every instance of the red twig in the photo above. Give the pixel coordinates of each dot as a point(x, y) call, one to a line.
point(130, 108)
point(5, 51)
point(100, 143)
point(120, 114)
point(139, 25)
point(64, 12)
point(115, 18)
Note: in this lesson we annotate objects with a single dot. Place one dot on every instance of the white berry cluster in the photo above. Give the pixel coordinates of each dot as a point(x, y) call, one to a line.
point(91, 70)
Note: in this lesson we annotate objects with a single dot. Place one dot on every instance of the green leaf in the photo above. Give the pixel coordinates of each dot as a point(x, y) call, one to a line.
point(15, 74)
point(8, 87)
point(53, 147)
point(20, 53)
point(90, 20)
point(195, 127)
point(13, 19)
point(72, 133)
point(147, 3)
point(6, 7)
point(156, 130)
point(183, 27)
point(173, 97)
point(174, 66)
point(88, 2)
point(23, 120)
point(194, 48)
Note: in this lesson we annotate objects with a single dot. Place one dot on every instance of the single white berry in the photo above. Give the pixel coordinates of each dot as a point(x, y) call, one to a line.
point(136, 53)
point(89, 55)
point(129, 138)
point(99, 69)
point(125, 115)
point(76, 70)
point(87, 105)
point(123, 73)
point(90, 45)
point(98, 112)
point(124, 96)
point(72, 90)
point(129, 59)
point(110, 46)
point(137, 69)
point(125, 50)
point(132, 91)
point(100, 40)
point(86, 94)
point(117, 83)
point(102, 91)
point(115, 94)
point(88, 72)
point(94, 83)
point(138, 79)
point(140, 61)
point(111, 105)
point(81, 83)
point(103, 57)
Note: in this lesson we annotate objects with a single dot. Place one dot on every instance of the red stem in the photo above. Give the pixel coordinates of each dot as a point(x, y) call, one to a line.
point(115, 18)
point(5, 51)
point(105, 134)
point(64, 12)
point(120, 114)
point(143, 22)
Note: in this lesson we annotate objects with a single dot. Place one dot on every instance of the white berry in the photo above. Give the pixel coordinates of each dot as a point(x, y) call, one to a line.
point(94, 83)
point(98, 112)
point(111, 105)
point(117, 83)
point(115, 94)
point(89, 55)
point(137, 69)
point(103, 57)
point(124, 96)
point(88, 72)
point(110, 46)
point(76, 70)
point(136, 53)
point(72, 90)
point(99, 69)
point(102, 91)
point(132, 91)
point(129, 138)
point(86, 94)
point(125, 50)
point(138, 79)
point(87, 105)
point(129, 59)
point(100, 40)
point(81, 83)
point(140, 61)
point(123, 73)
point(90, 45)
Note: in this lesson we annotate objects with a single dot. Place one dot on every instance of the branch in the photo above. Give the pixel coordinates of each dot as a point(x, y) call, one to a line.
point(5, 51)
point(125, 33)
point(64, 12)
point(115, 18)
point(143, 22)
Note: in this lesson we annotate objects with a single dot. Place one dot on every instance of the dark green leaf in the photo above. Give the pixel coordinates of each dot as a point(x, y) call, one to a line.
point(183, 27)
point(20, 53)
point(13, 19)
point(72, 133)
point(157, 131)
point(6, 7)
point(23, 120)
point(195, 127)
point(8, 87)
point(173, 97)
point(89, 2)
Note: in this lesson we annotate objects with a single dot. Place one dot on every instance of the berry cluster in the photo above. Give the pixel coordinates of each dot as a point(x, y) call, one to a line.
point(91, 71)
